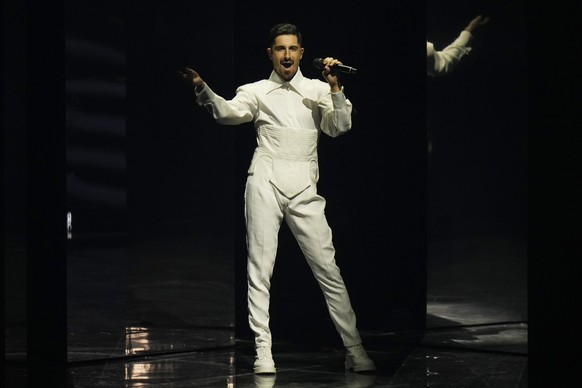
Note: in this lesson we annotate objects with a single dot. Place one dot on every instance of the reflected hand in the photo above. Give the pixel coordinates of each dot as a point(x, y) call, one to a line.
point(476, 22)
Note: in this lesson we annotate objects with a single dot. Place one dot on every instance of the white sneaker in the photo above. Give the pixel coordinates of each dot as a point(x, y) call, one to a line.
point(357, 359)
point(264, 361)
point(265, 380)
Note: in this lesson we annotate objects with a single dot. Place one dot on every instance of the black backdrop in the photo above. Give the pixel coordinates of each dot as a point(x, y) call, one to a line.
point(34, 102)
point(187, 173)
point(477, 122)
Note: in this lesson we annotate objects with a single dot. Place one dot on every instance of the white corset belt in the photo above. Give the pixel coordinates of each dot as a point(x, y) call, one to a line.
point(292, 152)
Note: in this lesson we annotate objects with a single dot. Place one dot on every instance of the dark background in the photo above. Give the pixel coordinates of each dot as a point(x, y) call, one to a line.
point(171, 173)
point(477, 123)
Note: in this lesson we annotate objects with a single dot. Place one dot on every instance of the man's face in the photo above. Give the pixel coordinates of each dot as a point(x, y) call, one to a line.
point(286, 54)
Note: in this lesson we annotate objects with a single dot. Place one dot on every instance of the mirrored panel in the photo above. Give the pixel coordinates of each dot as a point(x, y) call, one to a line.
point(477, 201)
point(96, 119)
point(149, 250)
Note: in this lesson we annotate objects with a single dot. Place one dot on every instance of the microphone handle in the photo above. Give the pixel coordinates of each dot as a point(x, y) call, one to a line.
point(344, 69)
point(318, 63)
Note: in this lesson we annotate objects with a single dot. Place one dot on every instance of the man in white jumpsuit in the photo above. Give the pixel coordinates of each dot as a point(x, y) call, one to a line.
point(289, 113)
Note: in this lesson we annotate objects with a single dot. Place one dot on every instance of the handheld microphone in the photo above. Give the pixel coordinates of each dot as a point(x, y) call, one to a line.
point(318, 63)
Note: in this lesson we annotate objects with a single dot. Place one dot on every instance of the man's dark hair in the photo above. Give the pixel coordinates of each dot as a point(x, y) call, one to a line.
point(284, 29)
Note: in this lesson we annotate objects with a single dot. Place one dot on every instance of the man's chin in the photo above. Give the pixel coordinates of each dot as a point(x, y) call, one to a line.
point(287, 74)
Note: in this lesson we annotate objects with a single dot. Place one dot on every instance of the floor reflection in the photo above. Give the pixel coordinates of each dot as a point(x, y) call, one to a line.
point(173, 334)
point(399, 365)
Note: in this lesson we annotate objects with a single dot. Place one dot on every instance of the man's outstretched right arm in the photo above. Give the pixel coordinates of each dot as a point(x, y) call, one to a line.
point(228, 112)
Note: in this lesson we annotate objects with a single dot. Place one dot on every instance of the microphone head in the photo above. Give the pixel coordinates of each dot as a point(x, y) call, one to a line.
point(318, 63)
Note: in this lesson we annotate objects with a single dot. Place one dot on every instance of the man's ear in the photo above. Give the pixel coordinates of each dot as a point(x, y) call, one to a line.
point(270, 53)
point(302, 51)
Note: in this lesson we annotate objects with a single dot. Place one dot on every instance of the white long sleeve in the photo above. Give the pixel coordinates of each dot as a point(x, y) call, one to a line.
point(441, 62)
point(301, 103)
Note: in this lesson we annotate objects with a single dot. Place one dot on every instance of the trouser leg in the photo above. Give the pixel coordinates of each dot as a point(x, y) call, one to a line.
point(263, 220)
point(306, 219)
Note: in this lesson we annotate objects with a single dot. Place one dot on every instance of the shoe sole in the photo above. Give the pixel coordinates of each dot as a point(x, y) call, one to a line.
point(364, 369)
point(265, 370)
point(369, 368)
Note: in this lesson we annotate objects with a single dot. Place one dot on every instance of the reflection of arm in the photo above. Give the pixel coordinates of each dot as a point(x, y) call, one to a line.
point(444, 61)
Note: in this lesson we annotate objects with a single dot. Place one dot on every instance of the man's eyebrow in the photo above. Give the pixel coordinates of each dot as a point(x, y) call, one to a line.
point(283, 46)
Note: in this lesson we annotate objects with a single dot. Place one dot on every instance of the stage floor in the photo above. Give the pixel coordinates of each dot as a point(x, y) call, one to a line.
point(476, 333)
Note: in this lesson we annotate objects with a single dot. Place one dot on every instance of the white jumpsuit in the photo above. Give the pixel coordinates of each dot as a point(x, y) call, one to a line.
point(282, 185)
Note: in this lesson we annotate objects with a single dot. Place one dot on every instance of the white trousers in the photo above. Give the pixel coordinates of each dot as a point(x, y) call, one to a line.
point(265, 208)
